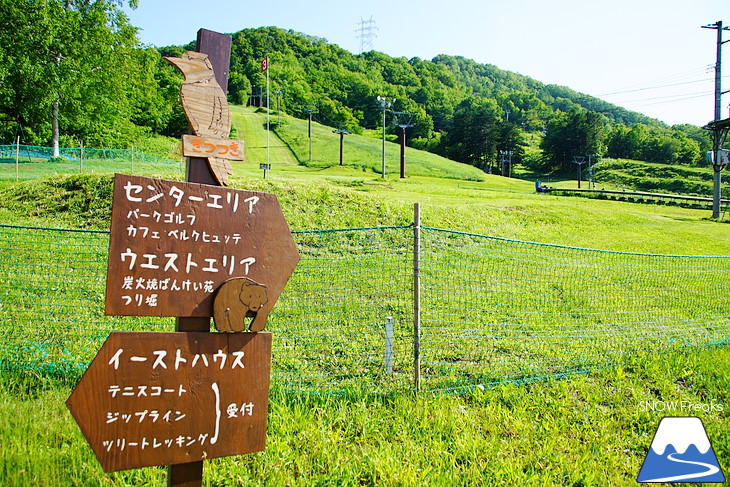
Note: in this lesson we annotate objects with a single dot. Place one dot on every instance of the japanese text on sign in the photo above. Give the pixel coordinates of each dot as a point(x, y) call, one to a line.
point(174, 243)
point(198, 146)
point(163, 398)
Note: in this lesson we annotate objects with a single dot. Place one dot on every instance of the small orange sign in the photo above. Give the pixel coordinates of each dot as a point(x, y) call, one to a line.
point(197, 146)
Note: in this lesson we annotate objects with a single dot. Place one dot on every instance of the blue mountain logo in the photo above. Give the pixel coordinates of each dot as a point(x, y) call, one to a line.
point(681, 452)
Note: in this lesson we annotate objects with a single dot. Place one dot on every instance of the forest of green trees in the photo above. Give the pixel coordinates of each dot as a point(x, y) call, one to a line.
point(73, 70)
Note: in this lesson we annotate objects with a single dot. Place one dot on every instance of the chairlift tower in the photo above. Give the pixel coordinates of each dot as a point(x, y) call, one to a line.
point(593, 159)
point(342, 131)
point(403, 120)
point(505, 159)
point(310, 109)
point(579, 161)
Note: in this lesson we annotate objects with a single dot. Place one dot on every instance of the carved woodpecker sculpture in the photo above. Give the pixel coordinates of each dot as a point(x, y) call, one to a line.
point(205, 105)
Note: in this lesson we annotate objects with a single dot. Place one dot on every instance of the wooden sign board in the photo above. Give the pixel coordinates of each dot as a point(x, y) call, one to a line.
point(173, 244)
point(196, 146)
point(170, 398)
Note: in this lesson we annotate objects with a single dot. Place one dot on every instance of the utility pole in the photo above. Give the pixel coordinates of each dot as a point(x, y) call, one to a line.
point(309, 108)
point(403, 120)
point(384, 104)
point(716, 164)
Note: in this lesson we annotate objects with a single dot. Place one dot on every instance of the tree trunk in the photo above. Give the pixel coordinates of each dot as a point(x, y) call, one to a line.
point(55, 131)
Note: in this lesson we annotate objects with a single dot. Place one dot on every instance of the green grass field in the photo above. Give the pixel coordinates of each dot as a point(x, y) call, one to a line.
point(591, 430)
point(588, 430)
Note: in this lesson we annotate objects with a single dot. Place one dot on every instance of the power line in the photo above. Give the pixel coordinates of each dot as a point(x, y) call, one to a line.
point(706, 96)
point(667, 98)
point(676, 77)
point(656, 87)
point(674, 97)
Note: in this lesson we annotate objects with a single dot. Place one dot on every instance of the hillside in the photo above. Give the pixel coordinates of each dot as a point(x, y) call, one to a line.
point(489, 80)
point(290, 144)
point(308, 69)
point(462, 109)
point(657, 178)
point(457, 108)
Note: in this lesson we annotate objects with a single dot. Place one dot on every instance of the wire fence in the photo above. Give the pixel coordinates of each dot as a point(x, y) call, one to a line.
point(491, 310)
point(29, 161)
point(497, 309)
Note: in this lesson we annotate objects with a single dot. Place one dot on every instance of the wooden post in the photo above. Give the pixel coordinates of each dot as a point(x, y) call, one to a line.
point(218, 48)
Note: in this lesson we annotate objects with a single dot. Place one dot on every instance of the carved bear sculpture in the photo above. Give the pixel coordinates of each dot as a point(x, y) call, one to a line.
point(237, 299)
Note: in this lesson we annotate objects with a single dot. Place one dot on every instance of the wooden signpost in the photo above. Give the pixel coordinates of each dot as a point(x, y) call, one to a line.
point(192, 250)
point(172, 398)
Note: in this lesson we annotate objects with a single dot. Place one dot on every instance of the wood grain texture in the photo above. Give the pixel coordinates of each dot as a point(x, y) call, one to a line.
point(205, 105)
point(172, 244)
point(174, 398)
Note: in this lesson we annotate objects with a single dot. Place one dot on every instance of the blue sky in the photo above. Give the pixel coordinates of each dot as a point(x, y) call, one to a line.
point(651, 56)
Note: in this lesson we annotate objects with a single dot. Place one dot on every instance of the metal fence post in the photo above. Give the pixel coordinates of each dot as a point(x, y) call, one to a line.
point(417, 296)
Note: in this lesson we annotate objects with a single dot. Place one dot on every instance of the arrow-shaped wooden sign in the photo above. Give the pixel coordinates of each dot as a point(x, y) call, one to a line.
point(171, 398)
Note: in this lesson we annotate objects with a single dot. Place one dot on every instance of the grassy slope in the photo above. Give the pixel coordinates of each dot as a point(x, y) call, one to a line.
point(355, 195)
point(326, 195)
point(657, 178)
point(336, 198)
point(587, 430)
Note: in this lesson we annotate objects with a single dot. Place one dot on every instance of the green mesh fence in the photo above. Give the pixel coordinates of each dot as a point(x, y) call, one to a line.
point(36, 161)
point(52, 285)
point(496, 309)
point(329, 324)
point(492, 310)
